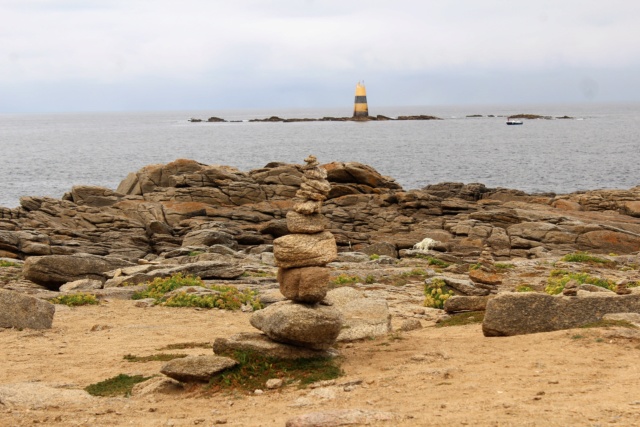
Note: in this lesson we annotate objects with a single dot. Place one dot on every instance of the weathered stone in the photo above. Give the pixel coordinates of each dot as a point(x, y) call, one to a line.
point(410, 325)
point(352, 257)
point(157, 385)
point(479, 275)
point(23, 311)
point(530, 312)
point(315, 327)
point(459, 303)
point(308, 207)
point(209, 238)
point(204, 270)
point(55, 270)
point(343, 417)
point(607, 241)
point(306, 224)
point(197, 368)
point(304, 250)
point(464, 287)
point(81, 285)
point(381, 248)
point(362, 317)
point(306, 284)
point(38, 396)
point(94, 196)
point(260, 343)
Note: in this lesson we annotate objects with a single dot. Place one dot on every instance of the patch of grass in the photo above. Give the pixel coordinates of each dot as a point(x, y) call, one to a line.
point(258, 274)
point(577, 337)
point(436, 293)
point(195, 253)
point(559, 278)
point(475, 266)
point(585, 257)
point(346, 279)
point(524, 288)
point(254, 369)
point(224, 297)
point(370, 279)
point(461, 319)
point(73, 300)
point(603, 323)
point(4, 263)
point(374, 257)
point(416, 272)
point(160, 357)
point(503, 266)
point(120, 385)
point(184, 345)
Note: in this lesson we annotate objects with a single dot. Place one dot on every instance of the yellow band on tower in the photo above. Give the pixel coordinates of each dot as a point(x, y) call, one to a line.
point(360, 108)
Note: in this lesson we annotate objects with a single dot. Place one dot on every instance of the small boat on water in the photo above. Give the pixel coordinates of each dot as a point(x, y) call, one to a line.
point(511, 121)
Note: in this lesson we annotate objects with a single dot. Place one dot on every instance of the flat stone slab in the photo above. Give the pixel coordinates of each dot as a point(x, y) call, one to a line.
point(197, 368)
point(305, 250)
point(363, 317)
point(23, 311)
point(343, 417)
point(526, 313)
point(260, 343)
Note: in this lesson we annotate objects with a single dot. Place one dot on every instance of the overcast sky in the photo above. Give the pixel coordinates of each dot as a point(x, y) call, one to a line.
point(134, 55)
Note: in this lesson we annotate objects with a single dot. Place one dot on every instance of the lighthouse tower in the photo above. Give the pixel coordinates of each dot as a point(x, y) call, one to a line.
point(360, 109)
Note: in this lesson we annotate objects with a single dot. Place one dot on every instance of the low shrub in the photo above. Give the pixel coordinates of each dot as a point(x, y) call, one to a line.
point(460, 319)
point(524, 288)
point(374, 257)
point(73, 300)
point(585, 257)
point(436, 293)
point(4, 263)
point(345, 279)
point(559, 278)
point(225, 297)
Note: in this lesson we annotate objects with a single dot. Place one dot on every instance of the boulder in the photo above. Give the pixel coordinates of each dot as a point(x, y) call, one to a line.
point(157, 385)
point(306, 284)
point(23, 311)
point(464, 287)
point(55, 270)
point(480, 275)
point(306, 224)
point(315, 327)
point(305, 250)
point(525, 313)
point(197, 368)
point(260, 343)
point(363, 317)
point(381, 248)
point(204, 270)
point(459, 303)
point(38, 396)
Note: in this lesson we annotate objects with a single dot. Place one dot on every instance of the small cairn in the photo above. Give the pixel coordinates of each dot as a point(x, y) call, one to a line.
point(301, 258)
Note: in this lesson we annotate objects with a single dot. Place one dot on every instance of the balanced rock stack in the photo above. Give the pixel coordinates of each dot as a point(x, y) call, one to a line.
point(301, 258)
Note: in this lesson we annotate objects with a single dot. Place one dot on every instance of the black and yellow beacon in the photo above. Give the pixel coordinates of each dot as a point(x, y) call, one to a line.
point(360, 108)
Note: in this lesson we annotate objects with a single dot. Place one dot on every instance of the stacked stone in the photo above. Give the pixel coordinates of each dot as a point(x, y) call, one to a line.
point(301, 258)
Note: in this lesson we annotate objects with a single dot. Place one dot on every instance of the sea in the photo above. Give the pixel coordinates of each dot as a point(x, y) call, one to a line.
point(47, 154)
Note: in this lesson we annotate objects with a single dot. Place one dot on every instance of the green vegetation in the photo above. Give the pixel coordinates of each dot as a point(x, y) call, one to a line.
point(345, 279)
point(585, 257)
point(258, 274)
point(120, 385)
point(195, 253)
point(73, 300)
point(254, 369)
point(183, 345)
point(160, 357)
point(436, 293)
point(416, 272)
point(524, 288)
point(503, 266)
point(225, 297)
point(374, 257)
point(4, 263)
point(433, 261)
point(559, 278)
point(370, 279)
point(461, 319)
point(475, 266)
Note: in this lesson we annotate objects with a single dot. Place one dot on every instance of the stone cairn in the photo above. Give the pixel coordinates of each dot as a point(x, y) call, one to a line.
point(301, 258)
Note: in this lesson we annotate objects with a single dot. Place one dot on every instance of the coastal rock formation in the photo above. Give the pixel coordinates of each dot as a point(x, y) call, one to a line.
point(184, 203)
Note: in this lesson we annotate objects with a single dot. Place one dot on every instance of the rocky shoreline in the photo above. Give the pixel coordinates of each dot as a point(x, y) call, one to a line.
point(171, 208)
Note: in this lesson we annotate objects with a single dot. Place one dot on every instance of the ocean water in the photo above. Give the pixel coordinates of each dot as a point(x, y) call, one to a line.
point(45, 155)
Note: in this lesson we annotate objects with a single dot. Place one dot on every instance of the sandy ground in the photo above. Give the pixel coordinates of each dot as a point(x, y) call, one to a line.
point(431, 376)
